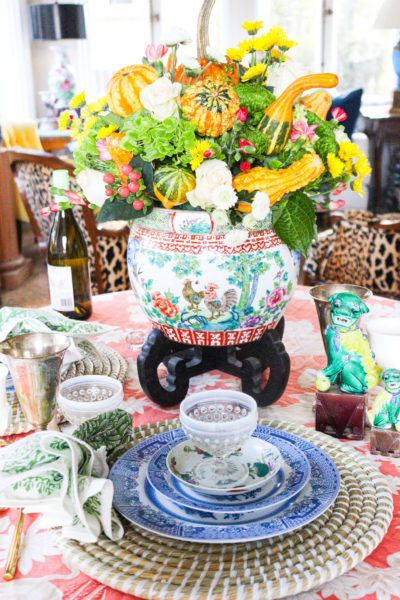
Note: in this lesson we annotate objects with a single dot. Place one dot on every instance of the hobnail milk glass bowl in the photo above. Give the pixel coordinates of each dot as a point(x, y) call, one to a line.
point(219, 422)
point(81, 398)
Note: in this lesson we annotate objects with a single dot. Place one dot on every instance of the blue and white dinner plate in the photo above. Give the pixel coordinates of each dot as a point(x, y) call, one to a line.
point(289, 481)
point(133, 498)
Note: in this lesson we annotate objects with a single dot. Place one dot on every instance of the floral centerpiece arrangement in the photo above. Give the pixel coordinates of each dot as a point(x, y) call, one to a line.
point(209, 134)
point(218, 177)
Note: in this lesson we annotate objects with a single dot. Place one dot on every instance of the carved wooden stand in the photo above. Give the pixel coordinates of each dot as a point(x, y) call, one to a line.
point(183, 361)
point(340, 415)
point(385, 442)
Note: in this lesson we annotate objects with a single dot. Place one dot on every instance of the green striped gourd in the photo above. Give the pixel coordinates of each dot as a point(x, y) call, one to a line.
point(171, 184)
point(276, 122)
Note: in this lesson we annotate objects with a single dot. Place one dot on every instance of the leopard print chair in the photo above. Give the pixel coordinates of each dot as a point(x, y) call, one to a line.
point(361, 248)
point(106, 249)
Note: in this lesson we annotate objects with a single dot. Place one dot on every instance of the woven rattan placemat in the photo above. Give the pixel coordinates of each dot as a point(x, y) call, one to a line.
point(150, 566)
point(98, 359)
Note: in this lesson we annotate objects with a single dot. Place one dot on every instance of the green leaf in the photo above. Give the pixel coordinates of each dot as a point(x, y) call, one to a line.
point(147, 172)
point(294, 221)
point(113, 119)
point(118, 210)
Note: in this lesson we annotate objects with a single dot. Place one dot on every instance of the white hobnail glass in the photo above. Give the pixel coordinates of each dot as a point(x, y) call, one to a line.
point(81, 398)
point(219, 422)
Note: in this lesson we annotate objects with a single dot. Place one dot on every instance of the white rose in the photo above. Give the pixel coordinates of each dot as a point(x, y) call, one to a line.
point(249, 221)
point(235, 237)
point(93, 186)
point(224, 197)
point(160, 98)
point(175, 36)
point(190, 64)
point(341, 135)
point(219, 217)
point(209, 175)
point(215, 55)
point(260, 207)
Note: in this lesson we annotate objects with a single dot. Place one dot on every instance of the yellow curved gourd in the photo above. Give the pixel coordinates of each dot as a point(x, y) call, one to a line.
point(279, 182)
point(319, 102)
point(276, 122)
point(124, 87)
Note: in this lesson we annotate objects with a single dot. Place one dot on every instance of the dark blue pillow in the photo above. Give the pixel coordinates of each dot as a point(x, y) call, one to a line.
point(351, 105)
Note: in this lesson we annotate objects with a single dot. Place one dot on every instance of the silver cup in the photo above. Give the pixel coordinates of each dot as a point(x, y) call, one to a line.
point(35, 361)
point(321, 293)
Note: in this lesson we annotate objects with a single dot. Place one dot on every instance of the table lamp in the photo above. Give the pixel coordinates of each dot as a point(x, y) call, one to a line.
point(389, 18)
point(58, 22)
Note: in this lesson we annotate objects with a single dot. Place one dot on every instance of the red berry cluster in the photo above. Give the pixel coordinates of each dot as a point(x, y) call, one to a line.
point(125, 191)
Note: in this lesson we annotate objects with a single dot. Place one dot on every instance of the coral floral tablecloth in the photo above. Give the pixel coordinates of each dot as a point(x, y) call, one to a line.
point(42, 572)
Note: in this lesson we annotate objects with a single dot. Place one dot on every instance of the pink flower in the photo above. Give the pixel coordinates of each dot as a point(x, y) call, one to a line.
point(336, 204)
point(45, 212)
point(54, 207)
point(207, 153)
point(241, 114)
point(275, 297)
point(302, 130)
point(245, 166)
point(340, 188)
point(65, 85)
point(74, 198)
point(154, 53)
point(338, 114)
point(101, 146)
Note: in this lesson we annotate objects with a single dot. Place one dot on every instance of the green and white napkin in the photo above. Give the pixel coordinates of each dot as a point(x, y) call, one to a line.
point(16, 321)
point(65, 479)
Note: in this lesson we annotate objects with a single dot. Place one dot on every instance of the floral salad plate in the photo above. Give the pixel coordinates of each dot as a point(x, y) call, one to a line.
point(263, 461)
point(289, 481)
point(135, 499)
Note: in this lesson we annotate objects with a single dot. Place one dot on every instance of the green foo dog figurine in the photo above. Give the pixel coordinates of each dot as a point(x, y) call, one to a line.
point(385, 411)
point(349, 356)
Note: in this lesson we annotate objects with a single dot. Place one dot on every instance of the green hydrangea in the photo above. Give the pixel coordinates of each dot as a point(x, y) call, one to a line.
point(157, 140)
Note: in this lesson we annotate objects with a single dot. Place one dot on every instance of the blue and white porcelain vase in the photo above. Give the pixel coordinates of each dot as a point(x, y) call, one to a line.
point(200, 291)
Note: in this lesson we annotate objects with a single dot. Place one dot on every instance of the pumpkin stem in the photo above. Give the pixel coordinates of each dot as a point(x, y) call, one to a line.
point(202, 27)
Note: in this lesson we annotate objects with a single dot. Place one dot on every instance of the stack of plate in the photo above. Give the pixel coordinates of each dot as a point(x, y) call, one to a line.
point(290, 483)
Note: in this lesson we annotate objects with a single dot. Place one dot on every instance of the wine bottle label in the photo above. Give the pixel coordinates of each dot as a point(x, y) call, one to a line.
point(61, 287)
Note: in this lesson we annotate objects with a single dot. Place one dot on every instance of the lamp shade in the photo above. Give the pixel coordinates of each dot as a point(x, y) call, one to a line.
point(389, 15)
point(57, 21)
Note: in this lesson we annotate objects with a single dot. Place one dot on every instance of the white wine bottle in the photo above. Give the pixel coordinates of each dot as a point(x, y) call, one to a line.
point(67, 261)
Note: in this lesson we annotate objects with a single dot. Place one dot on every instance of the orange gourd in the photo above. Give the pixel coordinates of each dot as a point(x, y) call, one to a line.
point(216, 71)
point(211, 106)
point(319, 102)
point(119, 155)
point(276, 122)
point(124, 87)
point(279, 182)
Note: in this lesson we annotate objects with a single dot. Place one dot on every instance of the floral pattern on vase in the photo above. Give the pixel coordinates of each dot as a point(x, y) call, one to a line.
point(199, 291)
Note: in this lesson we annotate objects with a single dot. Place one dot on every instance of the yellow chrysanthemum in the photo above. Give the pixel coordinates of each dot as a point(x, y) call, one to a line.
point(335, 165)
point(198, 153)
point(252, 26)
point(356, 185)
point(79, 139)
point(348, 150)
point(234, 54)
point(245, 46)
point(90, 121)
point(105, 131)
point(362, 166)
point(276, 36)
point(278, 55)
point(259, 69)
point(64, 120)
point(78, 100)
point(85, 113)
point(77, 122)
point(74, 131)
point(98, 105)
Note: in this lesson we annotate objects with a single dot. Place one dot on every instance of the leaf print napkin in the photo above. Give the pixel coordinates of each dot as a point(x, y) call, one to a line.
point(111, 429)
point(63, 478)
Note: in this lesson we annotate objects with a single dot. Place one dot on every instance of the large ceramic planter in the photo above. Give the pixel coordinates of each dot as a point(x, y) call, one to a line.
point(199, 291)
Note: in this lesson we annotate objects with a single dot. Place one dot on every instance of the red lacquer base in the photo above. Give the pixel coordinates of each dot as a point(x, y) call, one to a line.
point(340, 415)
point(385, 442)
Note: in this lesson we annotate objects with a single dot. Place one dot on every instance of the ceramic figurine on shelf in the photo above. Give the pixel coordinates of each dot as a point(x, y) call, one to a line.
point(351, 370)
point(349, 354)
point(384, 416)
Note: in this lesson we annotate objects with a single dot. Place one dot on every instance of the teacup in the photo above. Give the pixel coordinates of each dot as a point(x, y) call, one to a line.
point(384, 339)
